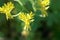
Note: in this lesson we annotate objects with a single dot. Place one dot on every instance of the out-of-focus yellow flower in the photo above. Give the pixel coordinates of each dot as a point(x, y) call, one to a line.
point(27, 19)
point(44, 5)
point(7, 8)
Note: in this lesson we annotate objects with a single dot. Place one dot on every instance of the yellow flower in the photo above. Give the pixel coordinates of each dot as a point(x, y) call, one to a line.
point(7, 8)
point(27, 19)
point(44, 5)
